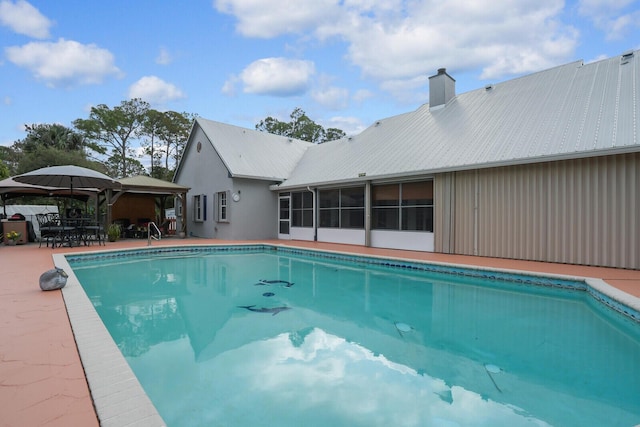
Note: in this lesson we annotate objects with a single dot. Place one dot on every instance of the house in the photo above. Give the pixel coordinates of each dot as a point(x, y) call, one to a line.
point(229, 171)
point(543, 167)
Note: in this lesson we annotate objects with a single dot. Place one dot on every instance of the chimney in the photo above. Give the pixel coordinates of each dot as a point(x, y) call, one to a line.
point(442, 87)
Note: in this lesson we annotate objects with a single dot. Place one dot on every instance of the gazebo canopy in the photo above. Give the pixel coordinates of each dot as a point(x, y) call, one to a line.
point(10, 188)
point(142, 185)
point(146, 184)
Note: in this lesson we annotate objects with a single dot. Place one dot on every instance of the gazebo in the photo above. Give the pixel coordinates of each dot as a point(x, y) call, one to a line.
point(140, 195)
point(136, 197)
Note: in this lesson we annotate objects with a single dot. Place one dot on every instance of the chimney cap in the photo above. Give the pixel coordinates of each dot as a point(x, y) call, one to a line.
point(442, 72)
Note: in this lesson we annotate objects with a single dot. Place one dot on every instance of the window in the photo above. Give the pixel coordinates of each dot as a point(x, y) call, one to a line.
point(200, 207)
point(385, 204)
point(417, 206)
point(302, 209)
point(222, 206)
point(406, 206)
point(329, 208)
point(342, 208)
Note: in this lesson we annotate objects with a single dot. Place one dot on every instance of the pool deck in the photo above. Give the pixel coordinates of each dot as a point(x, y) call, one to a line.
point(42, 381)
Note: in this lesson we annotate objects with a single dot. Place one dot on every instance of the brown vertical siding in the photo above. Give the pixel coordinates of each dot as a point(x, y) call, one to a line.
point(581, 211)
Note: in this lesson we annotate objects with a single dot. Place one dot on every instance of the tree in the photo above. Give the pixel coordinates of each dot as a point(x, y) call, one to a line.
point(54, 136)
point(9, 159)
point(170, 130)
point(4, 170)
point(116, 129)
point(334, 133)
point(300, 127)
point(178, 128)
point(134, 167)
point(51, 145)
point(152, 128)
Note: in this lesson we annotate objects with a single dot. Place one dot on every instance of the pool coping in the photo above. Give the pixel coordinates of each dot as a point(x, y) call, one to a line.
point(119, 398)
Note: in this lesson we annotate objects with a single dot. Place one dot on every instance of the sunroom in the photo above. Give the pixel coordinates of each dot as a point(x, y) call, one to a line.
point(393, 214)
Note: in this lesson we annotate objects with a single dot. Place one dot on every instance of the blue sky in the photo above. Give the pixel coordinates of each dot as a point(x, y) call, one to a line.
point(346, 63)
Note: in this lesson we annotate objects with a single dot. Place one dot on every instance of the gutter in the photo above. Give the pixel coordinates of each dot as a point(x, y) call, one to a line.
point(429, 173)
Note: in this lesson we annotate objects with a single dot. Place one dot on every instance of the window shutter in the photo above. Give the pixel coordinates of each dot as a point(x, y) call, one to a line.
point(216, 208)
point(229, 201)
point(204, 207)
point(194, 203)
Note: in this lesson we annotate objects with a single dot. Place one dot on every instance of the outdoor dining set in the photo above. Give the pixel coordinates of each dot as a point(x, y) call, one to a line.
point(60, 231)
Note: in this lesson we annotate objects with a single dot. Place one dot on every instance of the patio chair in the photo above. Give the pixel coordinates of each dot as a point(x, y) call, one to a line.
point(93, 232)
point(49, 224)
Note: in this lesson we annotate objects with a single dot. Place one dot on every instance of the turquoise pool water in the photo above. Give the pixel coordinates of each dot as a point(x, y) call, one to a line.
point(288, 338)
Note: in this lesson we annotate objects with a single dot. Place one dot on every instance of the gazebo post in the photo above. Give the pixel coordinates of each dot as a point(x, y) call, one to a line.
point(109, 205)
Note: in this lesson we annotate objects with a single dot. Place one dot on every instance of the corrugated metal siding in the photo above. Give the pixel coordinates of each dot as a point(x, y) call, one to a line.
point(444, 209)
point(582, 211)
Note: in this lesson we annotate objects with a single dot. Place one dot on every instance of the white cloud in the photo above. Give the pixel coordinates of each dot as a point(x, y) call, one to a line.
point(7, 100)
point(362, 95)
point(164, 57)
point(614, 17)
point(24, 19)
point(403, 39)
point(229, 87)
point(65, 62)
point(271, 18)
point(462, 35)
point(410, 90)
point(155, 91)
point(332, 97)
point(277, 76)
point(350, 125)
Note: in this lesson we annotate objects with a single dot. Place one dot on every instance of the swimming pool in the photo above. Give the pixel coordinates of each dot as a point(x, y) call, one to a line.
point(308, 338)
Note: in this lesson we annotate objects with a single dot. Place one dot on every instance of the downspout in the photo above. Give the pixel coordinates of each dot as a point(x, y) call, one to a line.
point(315, 214)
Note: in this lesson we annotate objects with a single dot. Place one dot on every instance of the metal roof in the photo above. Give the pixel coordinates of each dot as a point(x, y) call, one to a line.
point(253, 154)
point(574, 110)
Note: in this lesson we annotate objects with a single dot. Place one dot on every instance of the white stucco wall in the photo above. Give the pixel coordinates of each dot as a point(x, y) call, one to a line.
point(253, 216)
point(204, 173)
point(341, 235)
point(408, 240)
point(301, 233)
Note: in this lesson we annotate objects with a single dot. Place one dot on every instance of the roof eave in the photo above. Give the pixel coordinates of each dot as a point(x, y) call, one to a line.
point(430, 172)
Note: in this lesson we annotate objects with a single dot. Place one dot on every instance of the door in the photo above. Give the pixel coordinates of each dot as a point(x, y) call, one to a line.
point(284, 216)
